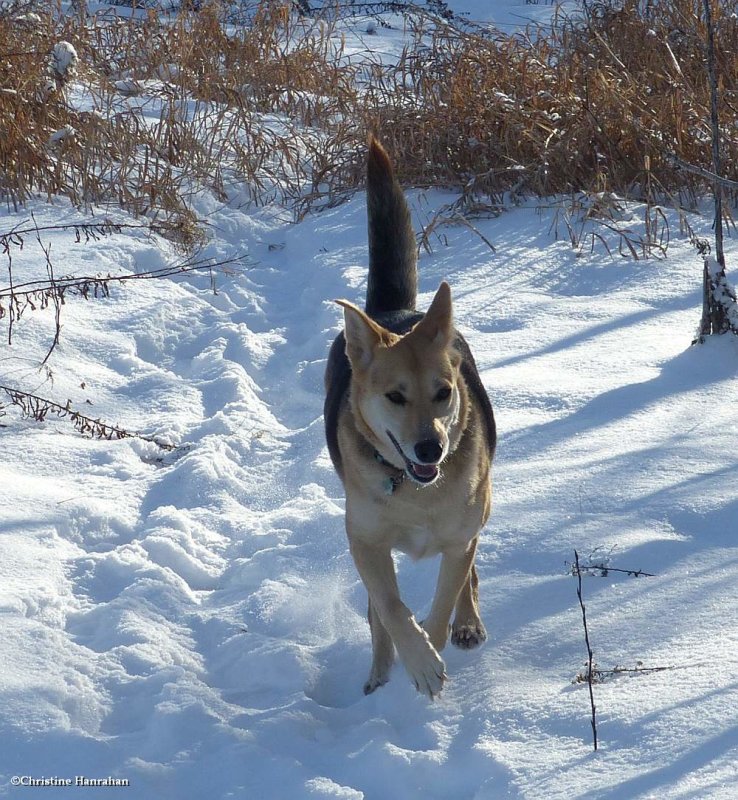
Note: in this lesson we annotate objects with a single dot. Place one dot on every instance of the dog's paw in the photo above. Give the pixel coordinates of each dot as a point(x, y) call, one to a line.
point(377, 677)
point(373, 683)
point(468, 636)
point(431, 681)
point(425, 667)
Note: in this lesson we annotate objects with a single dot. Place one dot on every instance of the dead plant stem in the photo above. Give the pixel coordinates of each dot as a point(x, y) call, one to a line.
point(590, 656)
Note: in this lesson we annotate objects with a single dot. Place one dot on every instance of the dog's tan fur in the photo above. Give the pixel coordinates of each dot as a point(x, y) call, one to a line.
point(442, 516)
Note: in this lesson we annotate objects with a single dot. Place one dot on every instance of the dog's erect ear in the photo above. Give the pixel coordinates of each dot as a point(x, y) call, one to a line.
point(363, 336)
point(438, 322)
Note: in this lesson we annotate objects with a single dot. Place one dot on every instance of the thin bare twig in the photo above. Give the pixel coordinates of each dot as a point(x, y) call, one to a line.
point(73, 282)
point(15, 299)
point(601, 569)
point(91, 230)
point(590, 656)
point(601, 675)
point(56, 298)
point(38, 408)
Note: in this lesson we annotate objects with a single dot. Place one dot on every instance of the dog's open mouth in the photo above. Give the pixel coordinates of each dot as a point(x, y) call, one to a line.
point(422, 473)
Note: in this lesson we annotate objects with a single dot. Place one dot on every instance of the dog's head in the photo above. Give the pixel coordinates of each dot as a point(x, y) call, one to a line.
point(405, 389)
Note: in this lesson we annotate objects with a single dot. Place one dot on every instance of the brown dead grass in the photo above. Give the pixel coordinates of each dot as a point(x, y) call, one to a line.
point(599, 105)
point(272, 109)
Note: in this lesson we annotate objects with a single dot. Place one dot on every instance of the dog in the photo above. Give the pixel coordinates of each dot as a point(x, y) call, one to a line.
point(411, 433)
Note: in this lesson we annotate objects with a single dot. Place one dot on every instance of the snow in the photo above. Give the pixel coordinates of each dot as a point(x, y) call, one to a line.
point(511, 15)
point(64, 60)
point(67, 132)
point(191, 620)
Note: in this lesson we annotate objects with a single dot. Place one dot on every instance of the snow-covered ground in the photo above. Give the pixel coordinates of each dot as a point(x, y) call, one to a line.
point(191, 622)
point(509, 15)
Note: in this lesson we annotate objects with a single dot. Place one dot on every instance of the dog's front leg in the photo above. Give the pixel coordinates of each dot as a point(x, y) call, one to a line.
point(419, 657)
point(383, 652)
point(456, 565)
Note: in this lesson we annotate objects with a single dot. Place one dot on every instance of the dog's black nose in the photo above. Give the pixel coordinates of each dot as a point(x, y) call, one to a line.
point(428, 451)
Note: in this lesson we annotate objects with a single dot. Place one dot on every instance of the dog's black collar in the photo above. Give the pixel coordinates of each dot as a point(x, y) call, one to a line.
point(392, 483)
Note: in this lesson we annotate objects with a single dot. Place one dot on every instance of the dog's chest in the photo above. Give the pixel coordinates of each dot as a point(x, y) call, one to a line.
point(419, 522)
point(418, 541)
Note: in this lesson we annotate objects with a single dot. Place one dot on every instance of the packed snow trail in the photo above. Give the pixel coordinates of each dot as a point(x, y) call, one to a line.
point(192, 621)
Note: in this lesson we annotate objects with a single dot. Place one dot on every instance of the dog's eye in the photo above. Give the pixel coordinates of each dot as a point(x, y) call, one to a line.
point(397, 398)
point(443, 394)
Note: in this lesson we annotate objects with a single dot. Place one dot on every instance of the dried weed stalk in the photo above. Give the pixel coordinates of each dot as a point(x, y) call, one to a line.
point(589, 675)
point(599, 566)
point(600, 675)
point(52, 291)
point(38, 408)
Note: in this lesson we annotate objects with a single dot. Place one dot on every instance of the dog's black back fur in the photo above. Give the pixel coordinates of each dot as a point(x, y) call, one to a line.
point(391, 294)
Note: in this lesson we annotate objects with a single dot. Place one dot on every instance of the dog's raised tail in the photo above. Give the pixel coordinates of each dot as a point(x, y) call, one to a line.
point(393, 277)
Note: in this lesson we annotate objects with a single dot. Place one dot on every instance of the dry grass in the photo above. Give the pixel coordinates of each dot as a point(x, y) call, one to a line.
point(273, 110)
point(178, 105)
point(600, 105)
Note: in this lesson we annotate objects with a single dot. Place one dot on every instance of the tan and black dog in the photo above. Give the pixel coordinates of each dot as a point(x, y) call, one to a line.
point(411, 433)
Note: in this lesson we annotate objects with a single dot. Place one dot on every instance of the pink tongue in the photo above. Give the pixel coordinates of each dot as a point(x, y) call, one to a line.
point(424, 470)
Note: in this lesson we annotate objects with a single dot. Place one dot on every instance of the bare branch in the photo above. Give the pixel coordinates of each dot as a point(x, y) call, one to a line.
point(719, 307)
point(703, 173)
point(601, 569)
point(38, 408)
point(590, 656)
point(73, 282)
point(17, 298)
point(602, 675)
point(56, 298)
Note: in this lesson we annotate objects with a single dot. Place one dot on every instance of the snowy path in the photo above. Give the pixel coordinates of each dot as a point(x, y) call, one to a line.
point(193, 622)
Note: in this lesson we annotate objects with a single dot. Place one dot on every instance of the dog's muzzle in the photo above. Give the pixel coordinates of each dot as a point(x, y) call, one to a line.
point(422, 473)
